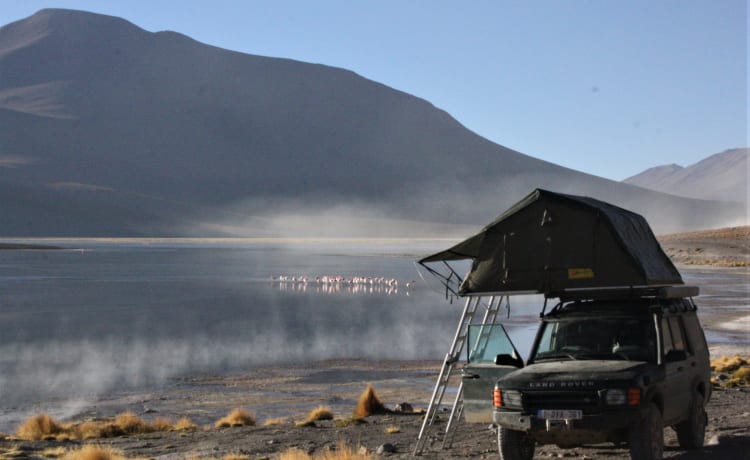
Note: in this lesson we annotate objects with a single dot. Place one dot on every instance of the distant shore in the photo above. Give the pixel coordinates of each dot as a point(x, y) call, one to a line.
point(25, 246)
point(724, 247)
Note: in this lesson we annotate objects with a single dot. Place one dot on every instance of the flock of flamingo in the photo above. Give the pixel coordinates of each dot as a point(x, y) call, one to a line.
point(340, 283)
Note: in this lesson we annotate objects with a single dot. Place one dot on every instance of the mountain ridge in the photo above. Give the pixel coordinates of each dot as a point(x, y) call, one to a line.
point(721, 176)
point(173, 136)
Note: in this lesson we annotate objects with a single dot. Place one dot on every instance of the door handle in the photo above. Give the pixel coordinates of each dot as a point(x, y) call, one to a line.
point(469, 375)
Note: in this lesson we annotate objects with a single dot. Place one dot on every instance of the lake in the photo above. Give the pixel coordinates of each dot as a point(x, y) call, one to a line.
point(115, 314)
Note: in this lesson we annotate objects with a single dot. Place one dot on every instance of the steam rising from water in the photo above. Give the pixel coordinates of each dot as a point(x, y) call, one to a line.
point(81, 324)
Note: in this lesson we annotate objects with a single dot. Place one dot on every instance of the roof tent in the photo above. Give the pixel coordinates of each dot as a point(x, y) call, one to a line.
point(550, 242)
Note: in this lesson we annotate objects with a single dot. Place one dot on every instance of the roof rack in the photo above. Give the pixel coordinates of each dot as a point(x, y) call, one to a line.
point(626, 292)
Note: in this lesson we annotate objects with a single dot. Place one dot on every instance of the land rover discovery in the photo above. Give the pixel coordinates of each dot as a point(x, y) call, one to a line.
point(606, 369)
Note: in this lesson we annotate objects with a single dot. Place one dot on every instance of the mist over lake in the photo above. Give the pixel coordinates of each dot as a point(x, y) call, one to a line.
point(114, 315)
point(111, 315)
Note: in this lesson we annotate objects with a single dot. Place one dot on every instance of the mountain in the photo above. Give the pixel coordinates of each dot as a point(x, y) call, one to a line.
point(110, 130)
point(722, 176)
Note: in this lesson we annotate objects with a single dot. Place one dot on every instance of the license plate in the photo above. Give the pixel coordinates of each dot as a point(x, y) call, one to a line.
point(560, 414)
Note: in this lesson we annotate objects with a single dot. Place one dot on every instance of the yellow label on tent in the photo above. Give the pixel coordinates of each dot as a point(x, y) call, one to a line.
point(580, 273)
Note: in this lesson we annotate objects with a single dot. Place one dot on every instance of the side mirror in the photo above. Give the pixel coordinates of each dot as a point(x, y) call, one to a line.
point(508, 360)
point(675, 355)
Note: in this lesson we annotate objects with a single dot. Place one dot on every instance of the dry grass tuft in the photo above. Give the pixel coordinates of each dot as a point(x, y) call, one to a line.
point(96, 430)
point(742, 373)
point(740, 378)
point(342, 452)
point(12, 451)
point(304, 423)
point(94, 452)
point(276, 421)
point(344, 422)
point(294, 454)
point(235, 457)
point(735, 371)
point(237, 417)
point(53, 452)
point(161, 424)
point(130, 423)
point(321, 413)
point(393, 429)
point(369, 404)
point(184, 424)
point(729, 363)
point(38, 427)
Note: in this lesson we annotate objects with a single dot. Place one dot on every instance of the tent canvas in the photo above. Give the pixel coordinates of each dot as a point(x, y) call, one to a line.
point(549, 242)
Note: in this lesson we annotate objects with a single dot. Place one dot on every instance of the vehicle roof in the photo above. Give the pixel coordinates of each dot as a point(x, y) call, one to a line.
point(618, 307)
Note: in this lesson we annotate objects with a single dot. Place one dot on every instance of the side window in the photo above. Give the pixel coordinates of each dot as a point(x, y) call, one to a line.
point(666, 336)
point(678, 335)
point(696, 339)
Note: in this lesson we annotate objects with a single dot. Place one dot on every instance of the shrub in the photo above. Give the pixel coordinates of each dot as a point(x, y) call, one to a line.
point(96, 429)
point(53, 452)
point(369, 404)
point(235, 457)
point(344, 422)
point(342, 452)
point(304, 423)
point(38, 427)
point(321, 413)
point(130, 423)
point(161, 424)
point(743, 373)
point(275, 421)
point(237, 417)
point(728, 363)
point(184, 424)
point(94, 452)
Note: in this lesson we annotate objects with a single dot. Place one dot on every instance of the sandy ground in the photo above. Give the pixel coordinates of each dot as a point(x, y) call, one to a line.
point(338, 384)
point(726, 247)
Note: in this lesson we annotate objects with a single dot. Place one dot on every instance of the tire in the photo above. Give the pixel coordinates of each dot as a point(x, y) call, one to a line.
point(692, 432)
point(647, 438)
point(514, 445)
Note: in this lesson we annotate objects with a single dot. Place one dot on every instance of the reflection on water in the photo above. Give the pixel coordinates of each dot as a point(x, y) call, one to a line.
point(78, 323)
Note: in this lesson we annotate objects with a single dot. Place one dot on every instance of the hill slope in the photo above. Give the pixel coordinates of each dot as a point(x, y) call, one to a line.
point(722, 176)
point(107, 129)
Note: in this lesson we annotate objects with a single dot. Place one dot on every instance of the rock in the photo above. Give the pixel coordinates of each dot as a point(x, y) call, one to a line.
point(363, 450)
point(385, 448)
point(404, 408)
point(714, 441)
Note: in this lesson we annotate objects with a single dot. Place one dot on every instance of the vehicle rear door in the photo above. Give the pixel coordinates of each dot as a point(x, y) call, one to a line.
point(479, 375)
point(677, 359)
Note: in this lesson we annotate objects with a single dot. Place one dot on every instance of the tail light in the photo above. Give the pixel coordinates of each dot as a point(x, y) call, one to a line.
point(497, 398)
point(634, 396)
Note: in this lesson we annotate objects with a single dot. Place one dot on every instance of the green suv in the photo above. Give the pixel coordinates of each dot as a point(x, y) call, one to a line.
point(607, 369)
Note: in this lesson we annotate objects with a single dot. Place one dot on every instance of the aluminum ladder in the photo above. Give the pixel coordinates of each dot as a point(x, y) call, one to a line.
point(451, 358)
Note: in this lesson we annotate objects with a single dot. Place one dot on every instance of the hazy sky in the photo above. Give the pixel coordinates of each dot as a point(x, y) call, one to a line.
point(605, 87)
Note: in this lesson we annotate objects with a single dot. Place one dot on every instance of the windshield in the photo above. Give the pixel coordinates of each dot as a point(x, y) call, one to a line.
point(624, 338)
